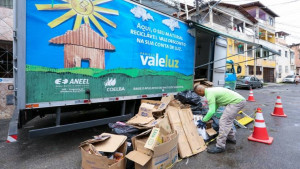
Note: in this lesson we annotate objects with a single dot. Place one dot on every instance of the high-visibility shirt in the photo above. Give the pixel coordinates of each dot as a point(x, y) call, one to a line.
point(219, 96)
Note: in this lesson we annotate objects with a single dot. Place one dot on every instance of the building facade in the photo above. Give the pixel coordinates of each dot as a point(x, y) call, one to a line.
point(296, 51)
point(285, 60)
point(264, 35)
point(6, 60)
point(250, 23)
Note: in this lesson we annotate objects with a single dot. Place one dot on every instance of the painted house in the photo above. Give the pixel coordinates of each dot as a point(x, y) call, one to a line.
point(296, 53)
point(84, 48)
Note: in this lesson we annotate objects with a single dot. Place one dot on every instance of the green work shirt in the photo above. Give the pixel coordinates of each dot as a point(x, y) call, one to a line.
point(219, 96)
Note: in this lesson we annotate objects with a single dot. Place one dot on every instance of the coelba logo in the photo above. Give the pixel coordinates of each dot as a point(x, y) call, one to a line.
point(110, 82)
point(159, 61)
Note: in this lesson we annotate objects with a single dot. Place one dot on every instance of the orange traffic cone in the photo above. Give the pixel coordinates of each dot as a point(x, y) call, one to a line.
point(251, 97)
point(278, 110)
point(260, 133)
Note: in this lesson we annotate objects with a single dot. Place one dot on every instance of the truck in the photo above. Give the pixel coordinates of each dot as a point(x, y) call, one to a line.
point(231, 74)
point(74, 56)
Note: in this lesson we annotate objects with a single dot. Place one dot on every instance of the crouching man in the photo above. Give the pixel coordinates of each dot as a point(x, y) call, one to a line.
point(234, 102)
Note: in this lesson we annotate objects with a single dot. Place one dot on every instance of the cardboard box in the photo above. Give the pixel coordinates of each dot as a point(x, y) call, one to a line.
point(91, 158)
point(190, 142)
point(146, 110)
point(162, 156)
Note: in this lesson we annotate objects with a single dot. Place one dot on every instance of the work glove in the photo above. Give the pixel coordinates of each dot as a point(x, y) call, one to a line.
point(201, 124)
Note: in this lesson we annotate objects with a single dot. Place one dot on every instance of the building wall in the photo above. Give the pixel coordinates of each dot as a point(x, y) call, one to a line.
point(283, 61)
point(6, 111)
point(296, 49)
point(240, 59)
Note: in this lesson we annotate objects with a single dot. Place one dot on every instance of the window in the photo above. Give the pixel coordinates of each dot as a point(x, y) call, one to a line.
point(258, 70)
point(285, 54)
point(240, 49)
point(280, 69)
point(6, 62)
point(279, 51)
point(85, 63)
point(229, 68)
point(271, 21)
point(286, 69)
point(251, 72)
point(6, 3)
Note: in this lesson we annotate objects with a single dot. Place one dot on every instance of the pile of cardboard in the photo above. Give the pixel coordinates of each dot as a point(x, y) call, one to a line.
point(150, 113)
point(181, 121)
point(106, 151)
point(155, 148)
point(171, 130)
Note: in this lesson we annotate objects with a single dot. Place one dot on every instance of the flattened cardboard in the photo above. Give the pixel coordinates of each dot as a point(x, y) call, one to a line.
point(153, 139)
point(196, 142)
point(140, 120)
point(164, 103)
point(183, 145)
point(111, 144)
point(156, 103)
point(211, 132)
point(138, 157)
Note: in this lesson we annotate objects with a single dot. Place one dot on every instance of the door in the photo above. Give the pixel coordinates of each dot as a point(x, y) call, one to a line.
point(268, 75)
point(220, 55)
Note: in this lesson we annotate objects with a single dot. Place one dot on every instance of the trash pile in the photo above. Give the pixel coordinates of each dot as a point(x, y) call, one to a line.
point(154, 137)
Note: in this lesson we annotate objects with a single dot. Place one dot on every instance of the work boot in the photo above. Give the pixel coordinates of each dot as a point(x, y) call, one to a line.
point(215, 149)
point(231, 141)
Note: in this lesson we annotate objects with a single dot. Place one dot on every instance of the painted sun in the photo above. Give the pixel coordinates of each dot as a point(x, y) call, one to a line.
point(87, 10)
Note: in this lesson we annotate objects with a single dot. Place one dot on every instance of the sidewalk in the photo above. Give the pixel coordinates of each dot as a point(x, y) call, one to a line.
point(273, 84)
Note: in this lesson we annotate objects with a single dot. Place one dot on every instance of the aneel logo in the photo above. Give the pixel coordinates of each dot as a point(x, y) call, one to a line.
point(72, 81)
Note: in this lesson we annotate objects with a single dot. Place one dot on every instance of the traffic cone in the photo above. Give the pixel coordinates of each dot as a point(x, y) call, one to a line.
point(260, 133)
point(278, 110)
point(251, 97)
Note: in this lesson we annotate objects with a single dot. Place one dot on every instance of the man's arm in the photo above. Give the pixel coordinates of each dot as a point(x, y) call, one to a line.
point(211, 111)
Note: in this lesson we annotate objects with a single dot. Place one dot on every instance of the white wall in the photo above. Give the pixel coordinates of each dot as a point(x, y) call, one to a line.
point(283, 61)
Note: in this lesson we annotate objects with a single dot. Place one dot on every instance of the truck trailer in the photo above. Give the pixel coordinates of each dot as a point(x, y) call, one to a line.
point(72, 55)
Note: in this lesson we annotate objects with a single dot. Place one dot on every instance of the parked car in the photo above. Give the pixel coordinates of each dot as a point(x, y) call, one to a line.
point(248, 81)
point(289, 79)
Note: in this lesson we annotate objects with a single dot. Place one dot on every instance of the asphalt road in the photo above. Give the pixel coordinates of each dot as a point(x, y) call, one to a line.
point(61, 150)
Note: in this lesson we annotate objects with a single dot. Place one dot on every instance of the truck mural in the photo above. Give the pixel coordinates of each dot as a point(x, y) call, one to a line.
point(111, 48)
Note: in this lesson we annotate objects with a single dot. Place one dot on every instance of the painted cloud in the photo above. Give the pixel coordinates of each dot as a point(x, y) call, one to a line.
point(192, 32)
point(140, 12)
point(171, 23)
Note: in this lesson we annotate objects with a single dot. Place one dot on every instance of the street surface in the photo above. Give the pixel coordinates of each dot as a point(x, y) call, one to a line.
point(61, 150)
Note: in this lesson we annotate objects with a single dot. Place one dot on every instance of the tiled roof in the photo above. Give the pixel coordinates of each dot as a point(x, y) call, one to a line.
point(84, 36)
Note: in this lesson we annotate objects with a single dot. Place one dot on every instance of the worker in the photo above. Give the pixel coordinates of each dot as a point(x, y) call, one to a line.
point(234, 102)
